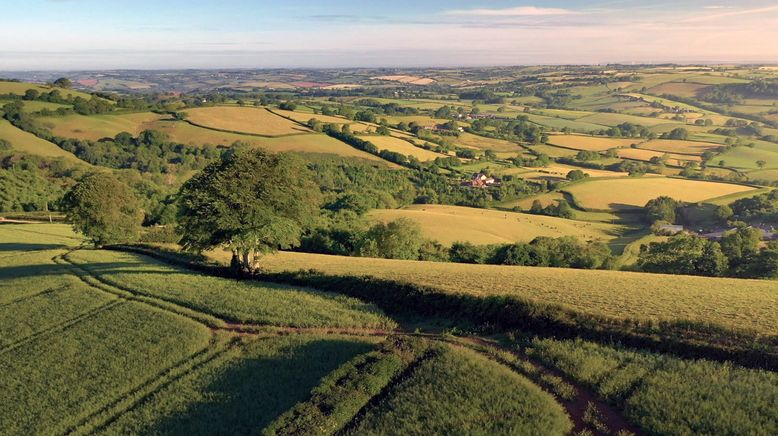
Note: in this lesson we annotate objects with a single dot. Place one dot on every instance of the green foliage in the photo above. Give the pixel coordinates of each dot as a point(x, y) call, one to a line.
point(104, 209)
point(398, 239)
point(668, 395)
point(683, 254)
point(459, 391)
point(662, 209)
point(575, 175)
point(759, 207)
point(251, 202)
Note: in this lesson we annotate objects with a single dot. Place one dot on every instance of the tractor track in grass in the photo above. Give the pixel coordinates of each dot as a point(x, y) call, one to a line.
point(575, 408)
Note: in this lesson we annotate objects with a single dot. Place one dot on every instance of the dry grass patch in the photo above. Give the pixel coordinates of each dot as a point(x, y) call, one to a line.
point(256, 121)
point(484, 143)
point(448, 224)
point(402, 146)
point(633, 192)
point(676, 146)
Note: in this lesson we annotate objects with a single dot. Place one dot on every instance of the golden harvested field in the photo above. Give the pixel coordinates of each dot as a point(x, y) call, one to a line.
point(675, 146)
point(255, 121)
point(637, 191)
point(735, 303)
point(593, 143)
point(95, 127)
point(401, 146)
point(448, 224)
point(557, 171)
point(646, 155)
point(413, 80)
point(305, 117)
point(31, 144)
point(483, 143)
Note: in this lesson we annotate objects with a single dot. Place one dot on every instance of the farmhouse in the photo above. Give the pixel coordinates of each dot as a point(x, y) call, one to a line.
point(480, 180)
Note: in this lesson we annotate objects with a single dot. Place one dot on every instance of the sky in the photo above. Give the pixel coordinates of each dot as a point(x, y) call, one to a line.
point(162, 34)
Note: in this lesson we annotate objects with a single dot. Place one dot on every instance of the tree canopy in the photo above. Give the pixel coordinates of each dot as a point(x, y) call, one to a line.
point(104, 209)
point(250, 202)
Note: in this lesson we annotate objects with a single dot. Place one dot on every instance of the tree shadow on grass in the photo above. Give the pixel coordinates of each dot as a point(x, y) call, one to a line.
point(248, 394)
point(18, 246)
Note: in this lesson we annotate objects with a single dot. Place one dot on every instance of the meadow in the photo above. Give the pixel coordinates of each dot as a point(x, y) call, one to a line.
point(449, 224)
point(96, 127)
point(633, 192)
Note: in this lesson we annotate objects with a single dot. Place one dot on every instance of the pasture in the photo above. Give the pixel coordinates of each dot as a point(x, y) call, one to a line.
point(634, 192)
point(28, 143)
point(96, 127)
point(250, 120)
point(449, 224)
point(676, 146)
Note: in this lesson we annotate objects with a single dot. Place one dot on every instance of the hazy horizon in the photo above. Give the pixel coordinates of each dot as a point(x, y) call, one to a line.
point(62, 35)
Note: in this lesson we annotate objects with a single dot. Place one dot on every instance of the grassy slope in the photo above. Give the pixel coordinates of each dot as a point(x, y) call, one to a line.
point(615, 294)
point(448, 224)
point(244, 119)
point(28, 143)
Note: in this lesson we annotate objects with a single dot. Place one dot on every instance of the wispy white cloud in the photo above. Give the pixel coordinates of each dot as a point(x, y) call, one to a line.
point(731, 13)
point(520, 11)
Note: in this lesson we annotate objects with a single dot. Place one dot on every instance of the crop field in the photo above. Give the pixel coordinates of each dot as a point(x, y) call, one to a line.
point(96, 127)
point(453, 391)
point(108, 342)
point(28, 143)
point(682, 89)
point(553, 151)
point(616, 294)
point(448, 224)
point(554, 123)
point(647, 155)
point(666, 395)
point(255, 121)
point(635, 192)
point(401, 146)
point(484, 143)
point(556, 172)
point(675, 146)
point(593, 143)
point(611, 120)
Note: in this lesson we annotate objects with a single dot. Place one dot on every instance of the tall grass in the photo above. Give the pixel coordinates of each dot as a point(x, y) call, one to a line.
point(666, 395)
point(461, 392)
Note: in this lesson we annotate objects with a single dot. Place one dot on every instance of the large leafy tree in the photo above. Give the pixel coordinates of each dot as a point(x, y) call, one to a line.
point(250, 202)
point(104, 209)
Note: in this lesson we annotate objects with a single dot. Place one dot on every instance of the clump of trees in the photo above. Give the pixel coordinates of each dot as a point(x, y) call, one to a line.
point(738, 254)
point(250, 202)
point(104, 209)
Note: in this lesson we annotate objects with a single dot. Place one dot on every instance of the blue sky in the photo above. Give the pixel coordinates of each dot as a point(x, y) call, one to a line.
point(94, 34)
